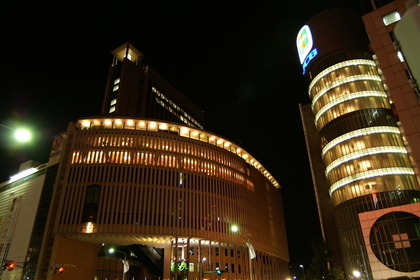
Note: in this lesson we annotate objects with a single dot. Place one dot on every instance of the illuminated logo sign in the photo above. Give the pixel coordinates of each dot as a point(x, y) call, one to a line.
point(310, 56)
point(304, 42)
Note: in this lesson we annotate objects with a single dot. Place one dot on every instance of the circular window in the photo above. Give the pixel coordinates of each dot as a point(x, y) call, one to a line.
point(395, 241)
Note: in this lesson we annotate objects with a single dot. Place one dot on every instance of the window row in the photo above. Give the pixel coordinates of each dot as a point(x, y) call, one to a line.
point(344, 96)
point(351, 105)
point(145, 143)
point(368, 186)
point(339, 58)
point(343, 76)
point(172, 107)
point(361, 139)
point(159, 160)
point(345, 67)
point(366, 163)
point(347, 90)
point(158, 177)
point(356, 120)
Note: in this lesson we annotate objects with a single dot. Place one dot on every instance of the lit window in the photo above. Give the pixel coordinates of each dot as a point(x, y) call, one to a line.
point(112, 109)
point(128, 55)
point(115, 87)
point(363, 153)
point(113, 101)
point(391, 18)
point(116, 81)
point(370, 174)
point(400, 56)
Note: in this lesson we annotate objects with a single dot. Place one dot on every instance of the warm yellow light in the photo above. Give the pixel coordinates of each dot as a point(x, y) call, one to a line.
point(330, 69)
point(343, 81)
point(152, 125)
point(358, 133)
point(363, 153)
point(130, 122)
point(85, 123)
point(347, 97)
point(370, 174)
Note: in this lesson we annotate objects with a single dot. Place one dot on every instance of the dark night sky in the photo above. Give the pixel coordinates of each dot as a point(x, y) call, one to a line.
point(235, 59)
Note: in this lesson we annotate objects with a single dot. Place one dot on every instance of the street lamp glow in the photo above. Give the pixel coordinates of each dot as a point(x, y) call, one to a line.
point(356, 273)
point(125, 263)
point(22, 135)
point(234, 228)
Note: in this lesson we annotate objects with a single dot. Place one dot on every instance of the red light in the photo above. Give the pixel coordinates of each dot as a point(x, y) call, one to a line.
point(60, 270)
point(11, 266)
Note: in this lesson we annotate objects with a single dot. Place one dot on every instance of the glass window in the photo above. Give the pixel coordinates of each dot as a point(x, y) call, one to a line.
point(113, 101)
point(115, 87)
point(112, 109)
point(116, 81)
point(391, 18)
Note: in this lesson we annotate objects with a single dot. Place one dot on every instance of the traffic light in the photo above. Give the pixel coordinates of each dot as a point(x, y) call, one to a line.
point(8, 266)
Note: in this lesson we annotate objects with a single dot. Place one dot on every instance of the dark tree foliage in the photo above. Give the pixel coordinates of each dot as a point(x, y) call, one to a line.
point(320, 267)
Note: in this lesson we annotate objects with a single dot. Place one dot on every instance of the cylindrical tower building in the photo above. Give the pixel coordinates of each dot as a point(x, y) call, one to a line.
point(366, 163)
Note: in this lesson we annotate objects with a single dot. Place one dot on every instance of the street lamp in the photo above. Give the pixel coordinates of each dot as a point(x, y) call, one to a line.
point(21, 135)
point(303, 269)
point(235, 228)
point(112, 250)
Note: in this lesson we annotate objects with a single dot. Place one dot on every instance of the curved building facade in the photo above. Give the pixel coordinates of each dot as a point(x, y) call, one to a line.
point(200, 197)
point(366, 163)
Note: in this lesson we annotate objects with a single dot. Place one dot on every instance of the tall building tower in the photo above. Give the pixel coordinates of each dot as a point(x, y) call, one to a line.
point(373, 190)
point(137, 91)
point(173, 200)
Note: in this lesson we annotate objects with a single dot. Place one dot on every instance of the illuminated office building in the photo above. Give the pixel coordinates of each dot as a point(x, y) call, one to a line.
point(367, 190)
point(137, 91)
point(174, 187)
point(22, 201)
point(394, 36)
point(176, 201)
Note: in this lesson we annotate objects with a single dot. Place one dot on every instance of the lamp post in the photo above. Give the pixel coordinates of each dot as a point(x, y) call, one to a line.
point(21, 135)
point(234, 228)
point(303, 271)
point(112, 250)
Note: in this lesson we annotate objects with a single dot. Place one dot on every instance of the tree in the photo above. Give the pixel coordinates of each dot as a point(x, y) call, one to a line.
point(320, 267)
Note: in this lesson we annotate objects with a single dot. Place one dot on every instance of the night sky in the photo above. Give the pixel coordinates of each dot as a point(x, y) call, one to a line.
point(236, 60)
